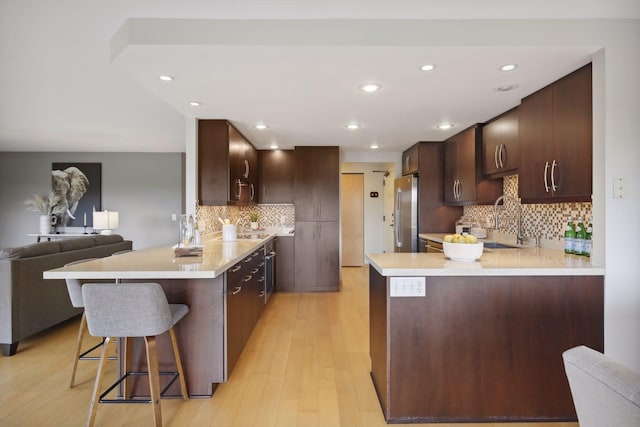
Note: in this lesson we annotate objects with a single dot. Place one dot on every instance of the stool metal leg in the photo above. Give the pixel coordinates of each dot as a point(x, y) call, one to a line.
point(176, 355)
point(95, 399)
point(154, 377)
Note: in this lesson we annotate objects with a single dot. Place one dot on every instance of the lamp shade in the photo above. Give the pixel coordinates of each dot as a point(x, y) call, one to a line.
point(105, 221)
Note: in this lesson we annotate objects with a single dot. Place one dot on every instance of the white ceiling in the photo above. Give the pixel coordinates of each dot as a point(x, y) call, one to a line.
point(64, 88)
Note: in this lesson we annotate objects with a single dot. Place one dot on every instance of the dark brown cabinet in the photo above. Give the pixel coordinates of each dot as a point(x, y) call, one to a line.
point(285, 264)
point(411, 160)
point(227, 165)
point(316, 198)
point(433, 215)
point(556, 141)
point(500, 145)
point(276, 176)
point(463, 181)
point(317, 266)
point(245, 302)
point(317, 183)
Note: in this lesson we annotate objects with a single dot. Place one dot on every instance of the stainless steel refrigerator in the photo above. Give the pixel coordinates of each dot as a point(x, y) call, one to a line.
point(405, 216)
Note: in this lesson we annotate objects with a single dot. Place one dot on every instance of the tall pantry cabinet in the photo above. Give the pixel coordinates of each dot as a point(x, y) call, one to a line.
point(316, 199)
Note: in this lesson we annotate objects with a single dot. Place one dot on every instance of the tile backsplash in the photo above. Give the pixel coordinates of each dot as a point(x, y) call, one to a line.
point(268, 216)
point(542, 220)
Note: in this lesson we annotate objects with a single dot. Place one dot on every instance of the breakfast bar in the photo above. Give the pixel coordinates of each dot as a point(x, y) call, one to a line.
point(480, 341)
point(202, 283)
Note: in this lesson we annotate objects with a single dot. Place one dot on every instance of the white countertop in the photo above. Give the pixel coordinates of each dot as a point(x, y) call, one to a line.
point(160, 263)
point(497, 262)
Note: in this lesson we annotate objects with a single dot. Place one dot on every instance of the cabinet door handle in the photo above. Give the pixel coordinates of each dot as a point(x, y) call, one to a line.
point(459, 189)
point(236, 268)
point(546, 184)
point(554, 187)
point(495, 156)
point(406, 163)
point(455, 181)
point(253, 192)
point(500, 155)
point(248, 278)
point(236, 290)
point(255, 270)
point(246, 169)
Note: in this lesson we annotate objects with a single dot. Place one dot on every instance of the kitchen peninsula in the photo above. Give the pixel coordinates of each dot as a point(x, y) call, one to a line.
point(210, 335)
point(484, 341)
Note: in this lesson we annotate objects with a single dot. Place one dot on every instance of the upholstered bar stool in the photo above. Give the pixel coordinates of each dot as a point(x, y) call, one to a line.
point(74, 287)
point(126, 311)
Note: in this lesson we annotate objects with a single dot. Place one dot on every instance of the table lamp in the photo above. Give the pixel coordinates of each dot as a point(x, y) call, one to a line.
point(105, 221)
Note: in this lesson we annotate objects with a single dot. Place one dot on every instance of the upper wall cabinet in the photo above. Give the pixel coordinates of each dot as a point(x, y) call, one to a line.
point(500, 145)
point(227, 165)
point(556, 141)
point(276, 176)
point(463, 181)
point(317, 183)
point(410, 160)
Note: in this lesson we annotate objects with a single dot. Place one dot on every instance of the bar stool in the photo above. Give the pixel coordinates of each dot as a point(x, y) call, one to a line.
point(74, 287)
point(127, 311)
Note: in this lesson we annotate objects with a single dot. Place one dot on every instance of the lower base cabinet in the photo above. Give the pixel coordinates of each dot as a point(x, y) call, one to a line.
point(481, 349)
point(245, 302)
point(285, 261)
point(317, 266)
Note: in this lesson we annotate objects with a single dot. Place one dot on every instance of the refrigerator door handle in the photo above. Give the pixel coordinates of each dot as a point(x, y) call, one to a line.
point(397, 218)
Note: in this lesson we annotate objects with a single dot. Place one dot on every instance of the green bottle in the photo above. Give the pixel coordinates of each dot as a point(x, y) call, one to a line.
point(569, 236)
point(588, 244)
point(581, 237)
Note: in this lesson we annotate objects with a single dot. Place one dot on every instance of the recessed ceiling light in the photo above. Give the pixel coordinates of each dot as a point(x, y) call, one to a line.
point(353, 126)
point(260, 126)
point(166, 78)
point(273, 146)
point(509, 67)
point(428, 67)
point(370, 87)
point(195, 103)
point(374, 146)
point(445, 126)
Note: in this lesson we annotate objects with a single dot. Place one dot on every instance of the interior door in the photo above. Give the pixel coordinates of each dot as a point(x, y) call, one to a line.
point(352, 219)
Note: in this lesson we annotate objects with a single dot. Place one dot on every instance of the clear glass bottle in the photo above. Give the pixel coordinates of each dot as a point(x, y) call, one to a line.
point(569, 236)
point(186, 230)
point(581, 236)
point(588, 243)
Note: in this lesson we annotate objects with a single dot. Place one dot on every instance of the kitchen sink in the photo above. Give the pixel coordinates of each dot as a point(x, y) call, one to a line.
point(496, 245)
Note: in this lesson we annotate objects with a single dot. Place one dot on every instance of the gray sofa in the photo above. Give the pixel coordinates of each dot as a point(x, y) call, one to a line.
point(605, 393)
point(29, 303)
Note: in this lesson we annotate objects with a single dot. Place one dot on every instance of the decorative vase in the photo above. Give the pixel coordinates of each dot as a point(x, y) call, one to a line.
point(254, 225)
point(45, 224)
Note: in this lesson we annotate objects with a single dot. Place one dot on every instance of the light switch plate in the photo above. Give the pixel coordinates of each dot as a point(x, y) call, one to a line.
point(619, 189)
point(407, 287)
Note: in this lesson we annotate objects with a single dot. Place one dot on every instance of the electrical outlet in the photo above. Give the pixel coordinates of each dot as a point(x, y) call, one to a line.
point(407, 287)
point(174, 217)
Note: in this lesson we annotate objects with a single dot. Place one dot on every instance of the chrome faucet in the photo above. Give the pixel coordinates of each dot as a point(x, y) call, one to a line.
point(519, 236)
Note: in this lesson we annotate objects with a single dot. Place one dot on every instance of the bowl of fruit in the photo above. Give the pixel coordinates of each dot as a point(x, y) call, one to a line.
point(462, 248)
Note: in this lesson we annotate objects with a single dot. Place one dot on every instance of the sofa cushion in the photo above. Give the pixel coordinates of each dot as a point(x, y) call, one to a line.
point(106, 239)
point(75, 244)
point(28, 251)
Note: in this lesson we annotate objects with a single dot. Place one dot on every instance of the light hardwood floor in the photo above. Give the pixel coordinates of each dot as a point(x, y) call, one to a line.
point(306, 364)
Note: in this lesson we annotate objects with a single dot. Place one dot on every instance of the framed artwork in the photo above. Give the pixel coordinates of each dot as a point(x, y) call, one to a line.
point(78, 192)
